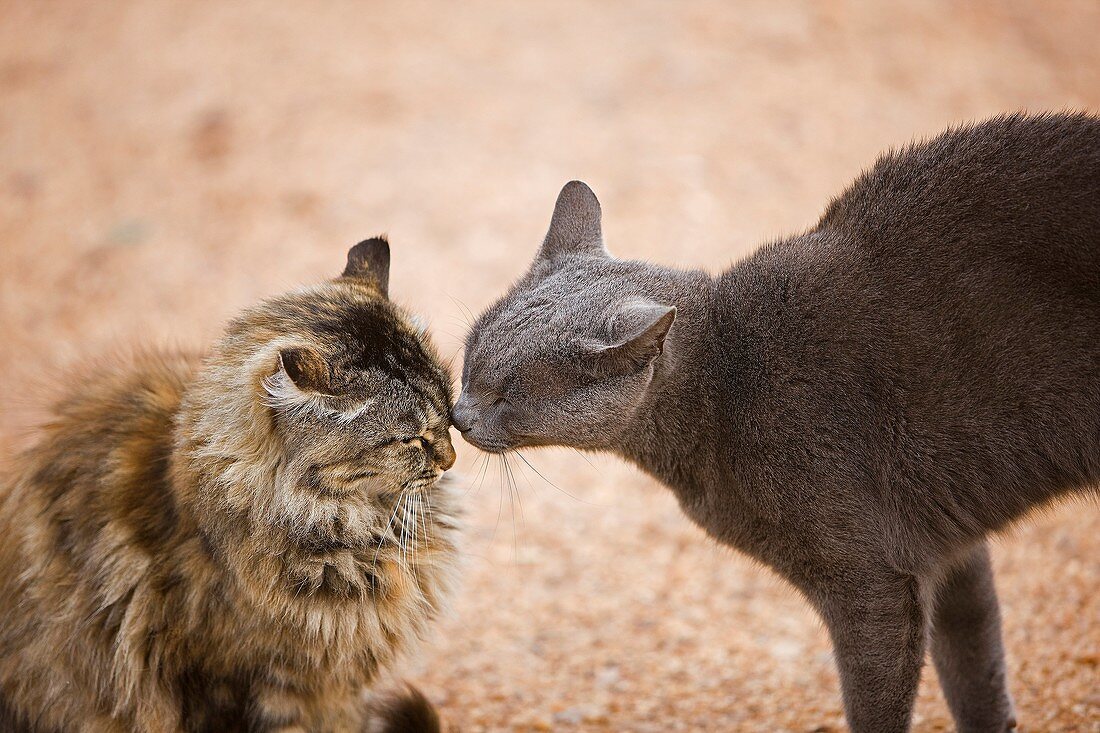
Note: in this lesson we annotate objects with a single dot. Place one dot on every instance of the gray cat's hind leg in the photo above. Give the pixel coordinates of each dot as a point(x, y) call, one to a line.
point(878, 630)
point(967, 648)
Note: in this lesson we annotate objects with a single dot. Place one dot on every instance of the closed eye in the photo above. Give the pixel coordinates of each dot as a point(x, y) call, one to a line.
point(417, 441)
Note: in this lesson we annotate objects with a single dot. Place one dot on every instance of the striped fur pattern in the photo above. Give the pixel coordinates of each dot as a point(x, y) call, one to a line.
point(244, 541)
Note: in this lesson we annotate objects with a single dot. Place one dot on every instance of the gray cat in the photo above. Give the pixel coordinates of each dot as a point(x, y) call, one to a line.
point(857, 406)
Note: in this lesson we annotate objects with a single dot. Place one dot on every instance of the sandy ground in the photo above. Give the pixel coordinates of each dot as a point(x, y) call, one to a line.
point(163, 164)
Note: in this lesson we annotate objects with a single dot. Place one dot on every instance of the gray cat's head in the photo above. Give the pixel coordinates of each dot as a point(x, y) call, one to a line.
point(567, 356)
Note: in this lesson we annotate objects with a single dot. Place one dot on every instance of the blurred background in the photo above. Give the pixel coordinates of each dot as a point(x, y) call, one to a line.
point(163, 164)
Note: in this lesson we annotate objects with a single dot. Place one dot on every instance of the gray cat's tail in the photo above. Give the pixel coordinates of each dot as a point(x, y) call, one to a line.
point(404, 710)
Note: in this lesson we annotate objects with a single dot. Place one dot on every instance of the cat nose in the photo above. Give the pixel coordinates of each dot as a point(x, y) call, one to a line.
point(445, 453)
point(463, 416)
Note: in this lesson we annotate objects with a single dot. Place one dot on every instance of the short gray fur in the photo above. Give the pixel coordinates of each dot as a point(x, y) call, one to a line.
point(857, 406)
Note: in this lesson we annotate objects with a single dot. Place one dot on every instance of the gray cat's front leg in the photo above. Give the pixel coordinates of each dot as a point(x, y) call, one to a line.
point(967, 647)
point(878, 631)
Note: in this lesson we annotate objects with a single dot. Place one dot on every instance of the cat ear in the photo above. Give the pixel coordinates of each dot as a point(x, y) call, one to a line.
point(639, 330)
point(301, 378)
point(575, 226)
point(306, 370)
point(370, 261)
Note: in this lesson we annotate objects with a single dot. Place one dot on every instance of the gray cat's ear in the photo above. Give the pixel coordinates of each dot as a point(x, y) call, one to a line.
point(638, 337)
point(369, 261)
point(575, 226)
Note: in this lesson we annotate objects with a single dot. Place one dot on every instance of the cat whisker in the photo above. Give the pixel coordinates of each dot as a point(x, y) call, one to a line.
point(382, 541)
point(403, 529)
point(422, 521)
point(500, 501)
point(586, 459)
point(453, 335)
point(481, 476)
point(421, 529)
point(464, 309)
point(515, 498)
point(410, 536)
point(527, 478)
point(461, 322)
point(540, 475)
point(519, 496)
point(414, 509)
point(429, 520)
point(475, 471)
point(506, 482)
point(408, 531)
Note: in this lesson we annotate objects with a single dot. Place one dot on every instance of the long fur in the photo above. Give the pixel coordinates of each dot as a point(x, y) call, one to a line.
point(185, 548)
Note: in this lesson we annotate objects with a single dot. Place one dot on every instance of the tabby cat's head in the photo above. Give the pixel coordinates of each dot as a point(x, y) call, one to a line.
point(355, 394)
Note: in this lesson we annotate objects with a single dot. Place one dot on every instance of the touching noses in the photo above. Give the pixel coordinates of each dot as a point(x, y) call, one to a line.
point(463, 415)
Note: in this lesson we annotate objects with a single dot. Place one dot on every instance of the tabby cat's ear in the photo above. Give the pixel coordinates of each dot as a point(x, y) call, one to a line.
point(575, 226)
point(306, 370)
point(370, 261)
point(638, 334)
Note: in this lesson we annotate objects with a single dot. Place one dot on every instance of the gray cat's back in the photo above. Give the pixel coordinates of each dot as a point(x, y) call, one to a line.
point(1040, 172)
point(944, 318)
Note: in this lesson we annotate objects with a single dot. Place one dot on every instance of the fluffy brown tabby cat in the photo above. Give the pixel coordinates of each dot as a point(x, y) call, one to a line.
point(241, 542)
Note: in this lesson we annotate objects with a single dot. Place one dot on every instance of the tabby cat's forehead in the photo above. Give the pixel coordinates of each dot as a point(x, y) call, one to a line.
point(371, 340)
